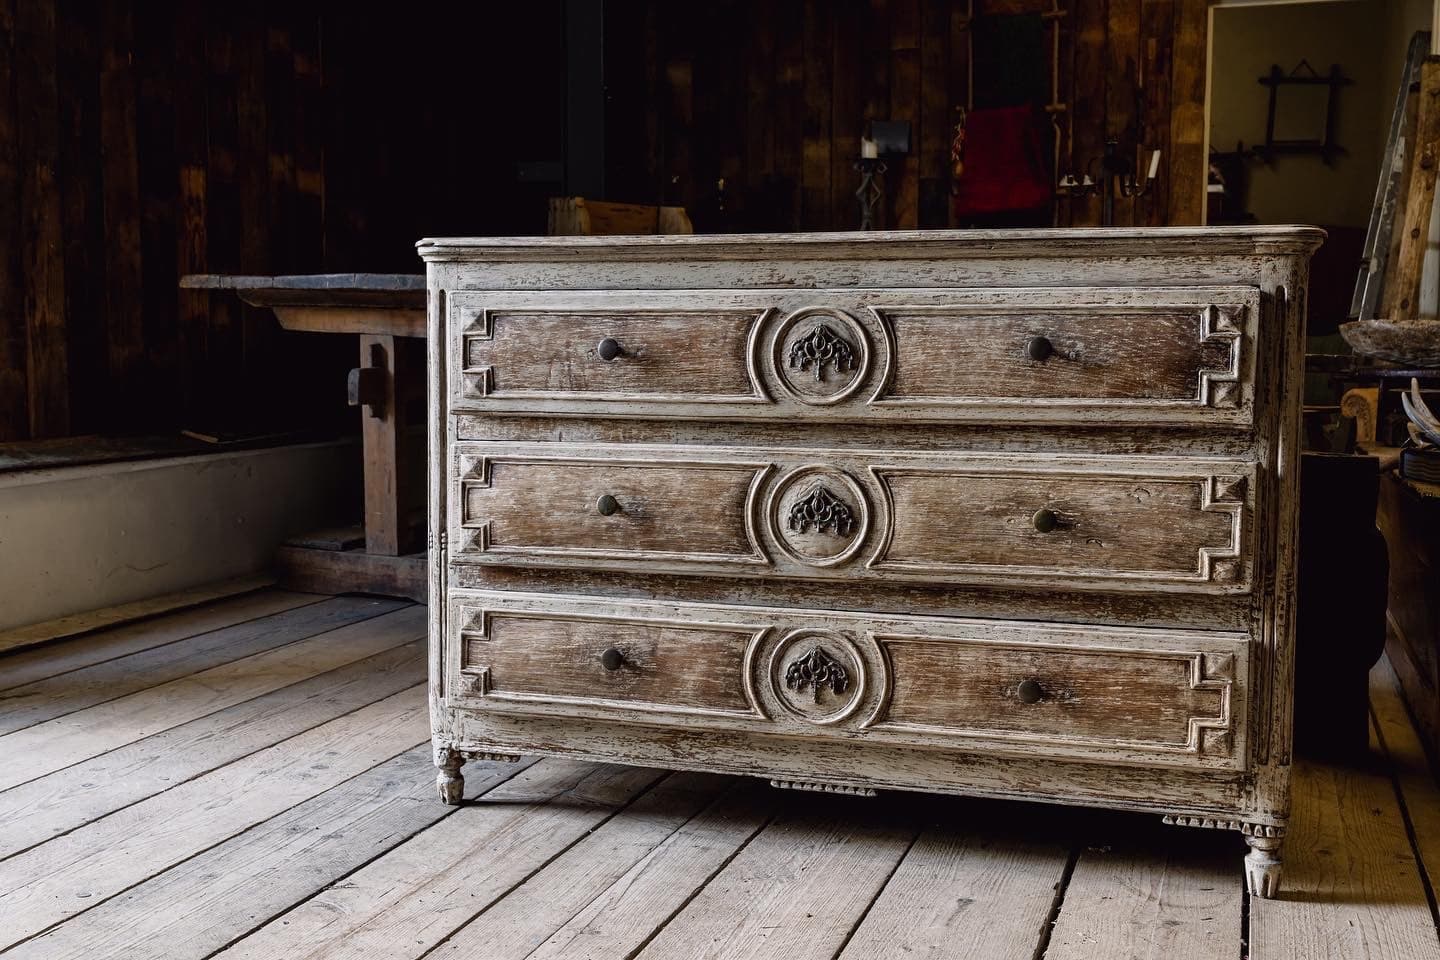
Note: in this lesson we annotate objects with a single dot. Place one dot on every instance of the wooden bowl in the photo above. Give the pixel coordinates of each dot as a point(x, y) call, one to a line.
point(1414, 343)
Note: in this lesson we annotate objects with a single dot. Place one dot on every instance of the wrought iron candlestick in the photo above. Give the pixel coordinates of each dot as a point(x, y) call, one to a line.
point(1117, 178)
point(871, 190)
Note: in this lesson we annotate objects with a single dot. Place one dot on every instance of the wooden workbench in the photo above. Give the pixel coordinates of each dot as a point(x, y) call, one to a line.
point(387, 312)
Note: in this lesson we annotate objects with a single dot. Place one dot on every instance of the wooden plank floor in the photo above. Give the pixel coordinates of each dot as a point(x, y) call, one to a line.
point(251, 779)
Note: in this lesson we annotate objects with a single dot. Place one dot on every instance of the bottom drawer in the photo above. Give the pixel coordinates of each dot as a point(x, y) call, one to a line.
point(1118, 694)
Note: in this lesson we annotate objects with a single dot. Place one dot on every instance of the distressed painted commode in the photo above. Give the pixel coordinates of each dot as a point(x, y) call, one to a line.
point(998, 513)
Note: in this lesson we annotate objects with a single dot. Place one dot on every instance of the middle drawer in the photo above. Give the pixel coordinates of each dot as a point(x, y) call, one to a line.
point(1062, 522)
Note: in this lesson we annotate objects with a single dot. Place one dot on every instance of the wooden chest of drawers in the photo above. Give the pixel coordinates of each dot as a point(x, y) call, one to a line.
point(999, 513)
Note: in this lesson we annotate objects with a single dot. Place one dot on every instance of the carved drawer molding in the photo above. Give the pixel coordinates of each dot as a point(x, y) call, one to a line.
point(942, 518)
point(1158, 355)
point(1166, 696)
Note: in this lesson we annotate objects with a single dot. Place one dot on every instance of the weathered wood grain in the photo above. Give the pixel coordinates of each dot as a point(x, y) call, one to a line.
point(1122, 88)
point(560, 657)
point(555, 353)
point(953, 518)
point(73, 873)
point(55, 744)
point(66, 799)
point(1145, 890)
point(1102, 695)
point(1171, 698)
point(637, 904)
point(606, 866)
point(126, 362)
point(982, 876)
point(1150, 355)
point(940, 354)
point(87, 639)
point(14, 396)
point(796, 889)
point(192, 197)
point(1188, 168)
point(57, 696)
point(1418, 792)
point(1402, 286)
point(1157, 64)
point(989, 885)
point(412, 897)
point(80, 174)
point(902, 179)
point(1353, 886)
point(36, 133)
point(1219, 612)
point(210, 900)
point(544, 505)
point(1087, 106)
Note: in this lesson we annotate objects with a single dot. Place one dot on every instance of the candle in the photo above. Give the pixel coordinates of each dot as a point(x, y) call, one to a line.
point(1154, 165)
point(869, 149)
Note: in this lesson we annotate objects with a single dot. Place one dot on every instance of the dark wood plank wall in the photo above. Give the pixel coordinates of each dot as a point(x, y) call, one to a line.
point(773, 97)
point(143, 141)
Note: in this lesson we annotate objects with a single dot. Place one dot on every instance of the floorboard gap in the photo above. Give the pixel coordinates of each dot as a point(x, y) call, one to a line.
point(1047, 929)
point(192, 856)
point(97, 703)
point(660, 775)
point(207, 770)
point(850, 934)
point(679, 909)
point(1406, 820)
point(143, 618)
point(1244, 921)
point(450, 810)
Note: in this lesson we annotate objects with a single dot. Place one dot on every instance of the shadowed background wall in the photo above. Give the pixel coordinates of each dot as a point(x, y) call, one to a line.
point(143, 141)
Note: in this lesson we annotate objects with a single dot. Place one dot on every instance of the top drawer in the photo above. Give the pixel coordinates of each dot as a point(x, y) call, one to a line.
point(1176, 355)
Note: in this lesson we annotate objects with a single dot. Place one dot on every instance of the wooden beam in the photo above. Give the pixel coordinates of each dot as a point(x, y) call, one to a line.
point(389, 432)
point(1188, 166)
point(335, 571)
point(42, 257)
point(14, 402)
point(1402, 287)
point(371, 321)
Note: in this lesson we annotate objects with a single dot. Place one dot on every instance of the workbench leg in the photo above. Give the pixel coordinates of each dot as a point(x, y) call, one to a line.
point(388, 434)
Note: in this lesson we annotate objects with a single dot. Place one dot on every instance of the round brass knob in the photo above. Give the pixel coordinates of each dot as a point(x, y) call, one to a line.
point(1045, 520)
point(607, 505)
point(1030, 691)
point(1039, 348)
point(609, 348)
point(612, 659)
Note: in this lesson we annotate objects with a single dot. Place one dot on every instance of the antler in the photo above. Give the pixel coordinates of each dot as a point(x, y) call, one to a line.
point(1422, 420)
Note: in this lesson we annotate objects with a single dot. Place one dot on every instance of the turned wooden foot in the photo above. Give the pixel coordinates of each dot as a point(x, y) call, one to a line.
point(448, 781)
point(1262, 867)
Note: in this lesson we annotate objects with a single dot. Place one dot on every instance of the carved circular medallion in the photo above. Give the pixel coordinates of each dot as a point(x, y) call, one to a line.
point(819, 516)
point(817, 675)
point(820, 354)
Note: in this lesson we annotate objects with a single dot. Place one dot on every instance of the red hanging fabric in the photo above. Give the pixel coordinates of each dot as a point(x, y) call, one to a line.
point(1003, 164)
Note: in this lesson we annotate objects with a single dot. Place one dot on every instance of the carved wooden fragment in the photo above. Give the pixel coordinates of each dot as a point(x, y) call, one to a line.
point(1008, 513)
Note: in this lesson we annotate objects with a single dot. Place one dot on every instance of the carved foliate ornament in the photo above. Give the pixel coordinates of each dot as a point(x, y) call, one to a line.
point(818, 515)
point(820, 355)
point(819, 348)
point(816, 671)
point(820, 510)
